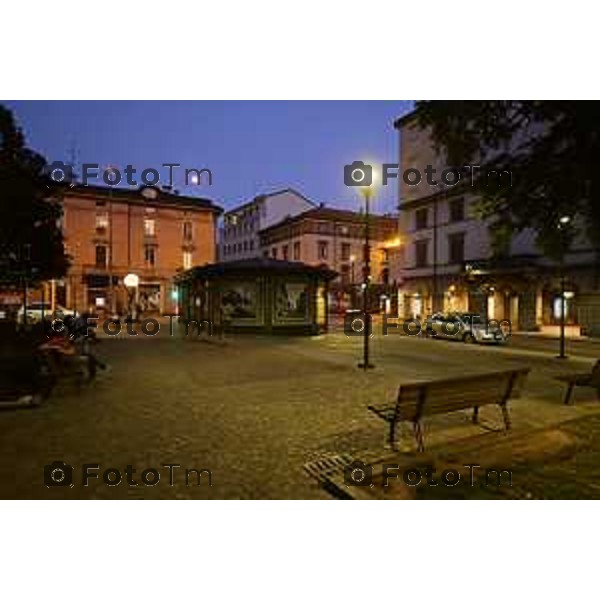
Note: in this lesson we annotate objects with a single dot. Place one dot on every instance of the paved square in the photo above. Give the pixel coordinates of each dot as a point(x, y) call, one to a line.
point(253, 410)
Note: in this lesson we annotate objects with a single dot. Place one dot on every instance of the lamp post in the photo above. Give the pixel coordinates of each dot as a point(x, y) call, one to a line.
point(434, 286)
point(563, 223)
point(562, 309)
point(367, 193)
point(131, 282)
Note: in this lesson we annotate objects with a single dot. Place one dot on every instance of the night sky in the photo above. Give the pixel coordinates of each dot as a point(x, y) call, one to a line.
point(250, 147)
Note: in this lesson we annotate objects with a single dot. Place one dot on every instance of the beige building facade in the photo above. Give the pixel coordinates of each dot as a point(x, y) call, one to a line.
point(451, 265)
point(239, 234)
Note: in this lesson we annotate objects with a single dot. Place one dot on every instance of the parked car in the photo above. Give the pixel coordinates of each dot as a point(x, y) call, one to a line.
point(35, 310)
point(465, 327)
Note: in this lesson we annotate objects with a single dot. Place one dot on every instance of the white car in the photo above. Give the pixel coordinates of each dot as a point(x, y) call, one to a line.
point(35, 310)
point(465, 327)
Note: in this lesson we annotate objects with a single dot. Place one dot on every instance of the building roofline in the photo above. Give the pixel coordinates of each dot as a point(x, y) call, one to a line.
point(164, 197)
point(326, 213)
point(251, 266)
point(267, 195)
point(405, 119)
point(289, 189)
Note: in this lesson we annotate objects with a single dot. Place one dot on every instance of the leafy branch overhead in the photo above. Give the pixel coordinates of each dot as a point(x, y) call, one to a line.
point(551, 149)
point(31, 241)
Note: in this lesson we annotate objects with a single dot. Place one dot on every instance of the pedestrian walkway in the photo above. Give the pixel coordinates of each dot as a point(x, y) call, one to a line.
point(252, 410)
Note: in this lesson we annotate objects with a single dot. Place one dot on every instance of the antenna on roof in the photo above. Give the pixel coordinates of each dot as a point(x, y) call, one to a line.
point(73, 155)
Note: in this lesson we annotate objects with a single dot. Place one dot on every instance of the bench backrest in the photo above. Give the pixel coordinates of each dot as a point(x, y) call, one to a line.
point(447, 395)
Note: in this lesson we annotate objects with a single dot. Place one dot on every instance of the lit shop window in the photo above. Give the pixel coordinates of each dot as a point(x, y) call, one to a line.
point(149, 226)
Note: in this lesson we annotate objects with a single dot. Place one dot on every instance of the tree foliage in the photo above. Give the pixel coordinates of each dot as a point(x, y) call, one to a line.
point(551, 149)
point(31, 240)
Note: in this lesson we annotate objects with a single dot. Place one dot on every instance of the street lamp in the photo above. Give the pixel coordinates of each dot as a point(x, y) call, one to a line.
point(367, 192)
point(563, 223)
point(131, 282)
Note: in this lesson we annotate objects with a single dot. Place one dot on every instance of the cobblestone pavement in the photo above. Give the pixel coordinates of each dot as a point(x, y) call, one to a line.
point(251, 410)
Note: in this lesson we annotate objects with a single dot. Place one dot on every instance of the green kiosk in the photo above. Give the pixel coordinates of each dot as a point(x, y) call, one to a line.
point(258, 295)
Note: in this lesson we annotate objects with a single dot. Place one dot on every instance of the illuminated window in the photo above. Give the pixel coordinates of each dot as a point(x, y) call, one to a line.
point(149, 226)
point(101, 221)
point(557, 306)
point(187, 260)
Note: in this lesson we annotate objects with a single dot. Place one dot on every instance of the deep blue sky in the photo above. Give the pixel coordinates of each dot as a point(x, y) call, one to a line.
point(250, 147)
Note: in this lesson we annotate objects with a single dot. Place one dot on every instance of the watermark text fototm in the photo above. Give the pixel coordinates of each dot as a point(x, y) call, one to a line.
point(115, 327)
point(358, 473)
point(356, 322)
point(61, 474)
point(61, 172)
point(359, 173)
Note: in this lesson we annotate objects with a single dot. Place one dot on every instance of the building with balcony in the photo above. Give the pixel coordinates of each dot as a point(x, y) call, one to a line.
point(151, 232)
point(239, 237)
point(452, 264)
point(334, 238)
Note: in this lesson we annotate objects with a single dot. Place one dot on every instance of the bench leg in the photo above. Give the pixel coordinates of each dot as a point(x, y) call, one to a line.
point(476, 414)
point(569, 393)
point(505, 415)
point(419, 436)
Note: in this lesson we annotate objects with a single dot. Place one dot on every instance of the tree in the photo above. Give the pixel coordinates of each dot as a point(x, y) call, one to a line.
point(551, 150)
point(31, 240)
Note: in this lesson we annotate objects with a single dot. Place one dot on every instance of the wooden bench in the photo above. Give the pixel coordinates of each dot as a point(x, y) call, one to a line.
point(582, 380)
point(417, 400)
